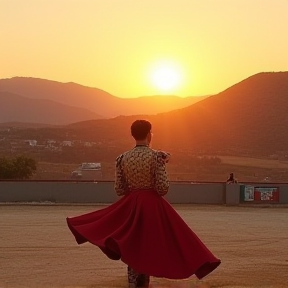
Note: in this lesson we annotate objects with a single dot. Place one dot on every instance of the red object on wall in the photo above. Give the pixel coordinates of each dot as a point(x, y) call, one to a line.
point(266, 194)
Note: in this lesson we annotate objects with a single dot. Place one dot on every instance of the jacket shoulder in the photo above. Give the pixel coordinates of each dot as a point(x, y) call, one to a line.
point(119, 159)
point(162, 156)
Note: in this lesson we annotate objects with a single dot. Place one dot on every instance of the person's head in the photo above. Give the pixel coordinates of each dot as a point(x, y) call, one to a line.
point(141, 130)
point(231, 175)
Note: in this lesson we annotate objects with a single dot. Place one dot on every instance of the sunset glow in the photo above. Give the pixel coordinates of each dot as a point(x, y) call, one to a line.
point(166, 78)
point(109, 44)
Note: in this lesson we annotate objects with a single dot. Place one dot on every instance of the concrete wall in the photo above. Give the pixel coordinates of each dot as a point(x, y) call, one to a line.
point(59, 192)
point(196, 193)
point(103, 192)
point(232, 196)
point(283, 194)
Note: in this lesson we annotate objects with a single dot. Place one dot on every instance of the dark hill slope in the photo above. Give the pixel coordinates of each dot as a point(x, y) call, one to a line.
point(249, 116)
point(15, 108)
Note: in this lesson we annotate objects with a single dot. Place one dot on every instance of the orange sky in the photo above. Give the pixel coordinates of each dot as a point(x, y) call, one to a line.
point(115, 45)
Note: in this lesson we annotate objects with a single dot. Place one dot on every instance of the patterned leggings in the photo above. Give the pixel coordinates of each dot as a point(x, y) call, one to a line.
point(136, 279)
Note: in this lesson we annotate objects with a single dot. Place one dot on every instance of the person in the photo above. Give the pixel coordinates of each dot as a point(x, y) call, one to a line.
point(142, 228)
point(231, 179)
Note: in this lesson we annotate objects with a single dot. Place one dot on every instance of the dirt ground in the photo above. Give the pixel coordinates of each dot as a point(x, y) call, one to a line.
point(37, 249)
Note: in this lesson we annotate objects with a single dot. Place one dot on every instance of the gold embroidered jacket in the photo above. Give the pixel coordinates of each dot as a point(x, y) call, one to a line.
point(141, 168)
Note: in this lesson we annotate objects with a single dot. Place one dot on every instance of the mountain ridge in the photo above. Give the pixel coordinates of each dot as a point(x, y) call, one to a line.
point(93, 99)
point(16, 108)
point(248, 116)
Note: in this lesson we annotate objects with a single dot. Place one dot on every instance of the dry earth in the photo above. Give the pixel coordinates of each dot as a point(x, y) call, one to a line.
point(37, 249)
point(254, 162)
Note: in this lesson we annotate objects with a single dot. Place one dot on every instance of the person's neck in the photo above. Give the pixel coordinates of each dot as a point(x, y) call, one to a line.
point(142, 143)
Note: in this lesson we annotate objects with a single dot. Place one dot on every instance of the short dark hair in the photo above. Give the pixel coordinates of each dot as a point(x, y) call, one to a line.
point(140, 129)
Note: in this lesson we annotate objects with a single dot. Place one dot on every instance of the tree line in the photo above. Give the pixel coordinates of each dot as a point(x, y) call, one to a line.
point(17, 168)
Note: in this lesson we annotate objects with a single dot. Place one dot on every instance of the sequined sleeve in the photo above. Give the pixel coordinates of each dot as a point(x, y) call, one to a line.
point(120, 183)
point(161, 181)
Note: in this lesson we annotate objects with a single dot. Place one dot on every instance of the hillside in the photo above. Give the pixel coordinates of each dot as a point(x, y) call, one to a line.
point(244, 122)
point(248, 118)
point(25, 125)
point(15, 108)
point(93, 99)
point(250, 115)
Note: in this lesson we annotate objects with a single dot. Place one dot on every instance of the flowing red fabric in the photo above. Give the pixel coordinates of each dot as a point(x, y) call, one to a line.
point(145, 232)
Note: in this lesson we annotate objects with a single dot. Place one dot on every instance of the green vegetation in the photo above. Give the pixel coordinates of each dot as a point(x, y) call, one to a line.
point(20, 167)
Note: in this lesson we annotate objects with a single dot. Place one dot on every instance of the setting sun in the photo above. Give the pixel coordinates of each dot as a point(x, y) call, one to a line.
point(166, 77)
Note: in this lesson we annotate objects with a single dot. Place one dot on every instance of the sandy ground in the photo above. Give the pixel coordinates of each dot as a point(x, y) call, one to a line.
point(38, 250)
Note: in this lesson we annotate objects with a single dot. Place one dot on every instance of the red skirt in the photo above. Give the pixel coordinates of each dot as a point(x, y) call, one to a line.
point(145, 232)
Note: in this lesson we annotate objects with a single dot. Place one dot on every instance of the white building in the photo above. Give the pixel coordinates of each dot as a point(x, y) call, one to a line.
point(67, 143)
point(31, 142)
point(88, 171)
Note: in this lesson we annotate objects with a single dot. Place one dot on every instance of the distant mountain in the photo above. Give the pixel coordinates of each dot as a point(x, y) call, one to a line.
point(26, 125)
point(249, 117)
point(16, 108)
point(93, 99)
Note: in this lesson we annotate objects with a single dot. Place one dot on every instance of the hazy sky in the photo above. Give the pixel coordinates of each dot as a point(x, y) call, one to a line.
point(116, 45)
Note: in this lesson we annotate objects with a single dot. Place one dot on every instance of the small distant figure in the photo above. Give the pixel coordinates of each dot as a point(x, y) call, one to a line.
point(231, 179)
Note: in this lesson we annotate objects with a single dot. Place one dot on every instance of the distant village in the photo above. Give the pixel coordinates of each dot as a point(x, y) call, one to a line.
point(52, 145)
point(13, 146)
point(71, 159)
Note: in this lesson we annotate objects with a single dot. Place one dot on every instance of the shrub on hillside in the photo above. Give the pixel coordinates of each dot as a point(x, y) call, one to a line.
point(19, 167)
